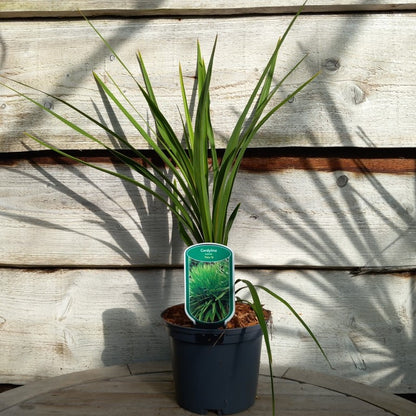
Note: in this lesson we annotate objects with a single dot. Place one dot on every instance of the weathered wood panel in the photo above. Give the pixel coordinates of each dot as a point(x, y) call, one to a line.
point(309, 213)
point(68, 320)
point(44, 8)
point(363, 97)
point(314, 212)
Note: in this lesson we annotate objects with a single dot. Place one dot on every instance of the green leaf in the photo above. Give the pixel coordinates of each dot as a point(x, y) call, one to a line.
point(298, 317)
point(189, 127)
point(258, 309)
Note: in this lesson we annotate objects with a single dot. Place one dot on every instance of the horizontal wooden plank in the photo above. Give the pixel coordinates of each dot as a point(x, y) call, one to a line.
point(68, 320)
point(264, 160)
point(347, 216)
point(363, 97)
point(47, 8)
point(392, 403)
point(44, 386)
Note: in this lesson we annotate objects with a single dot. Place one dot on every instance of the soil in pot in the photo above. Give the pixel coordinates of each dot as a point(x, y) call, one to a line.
point(244, 316)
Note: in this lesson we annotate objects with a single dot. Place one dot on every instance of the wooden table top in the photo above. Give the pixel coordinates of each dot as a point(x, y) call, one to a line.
point(146, 389)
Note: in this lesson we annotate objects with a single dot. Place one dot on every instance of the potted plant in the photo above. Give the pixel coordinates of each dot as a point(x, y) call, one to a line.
point(207, 354)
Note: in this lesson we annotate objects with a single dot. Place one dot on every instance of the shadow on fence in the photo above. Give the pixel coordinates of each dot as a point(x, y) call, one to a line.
point(326, 249)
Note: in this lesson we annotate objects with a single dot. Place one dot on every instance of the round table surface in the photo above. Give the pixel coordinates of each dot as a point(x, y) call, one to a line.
point(146, 389)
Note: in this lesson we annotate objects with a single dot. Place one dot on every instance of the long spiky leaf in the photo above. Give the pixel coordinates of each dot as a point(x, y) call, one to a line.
point(258, 309)
point(201, 144)
point(189, 127)
point(298, 317)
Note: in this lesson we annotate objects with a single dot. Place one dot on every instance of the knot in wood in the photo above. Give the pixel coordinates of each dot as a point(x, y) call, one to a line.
point(332, 64)
point(342, 181)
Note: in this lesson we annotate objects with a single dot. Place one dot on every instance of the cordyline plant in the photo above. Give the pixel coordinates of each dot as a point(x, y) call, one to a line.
point(199, 191)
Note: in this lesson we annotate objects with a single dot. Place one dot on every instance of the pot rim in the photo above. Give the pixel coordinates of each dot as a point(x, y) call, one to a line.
point(214, 331)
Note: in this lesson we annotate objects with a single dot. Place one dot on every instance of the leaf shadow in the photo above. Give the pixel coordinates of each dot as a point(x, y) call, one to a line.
point(326, 249)
point(348, 263)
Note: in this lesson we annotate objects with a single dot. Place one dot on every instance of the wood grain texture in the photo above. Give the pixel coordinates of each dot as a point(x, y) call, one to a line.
point(342, 216)
point(44, 386)
point(61, 321)
point(75, 244)
point(363, 97)
point(152, 391)
point(47, 8)
point(357, 390)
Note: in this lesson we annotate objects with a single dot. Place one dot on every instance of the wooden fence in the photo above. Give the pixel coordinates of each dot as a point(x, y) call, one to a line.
point(328, 189)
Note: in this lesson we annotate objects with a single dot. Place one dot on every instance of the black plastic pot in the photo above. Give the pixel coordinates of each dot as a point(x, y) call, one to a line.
point(215, 370)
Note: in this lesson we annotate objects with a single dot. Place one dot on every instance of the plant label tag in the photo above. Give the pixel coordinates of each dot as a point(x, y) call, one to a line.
point(209, 284)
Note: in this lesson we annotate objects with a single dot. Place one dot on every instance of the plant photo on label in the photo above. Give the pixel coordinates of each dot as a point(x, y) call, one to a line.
point(209, 291)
